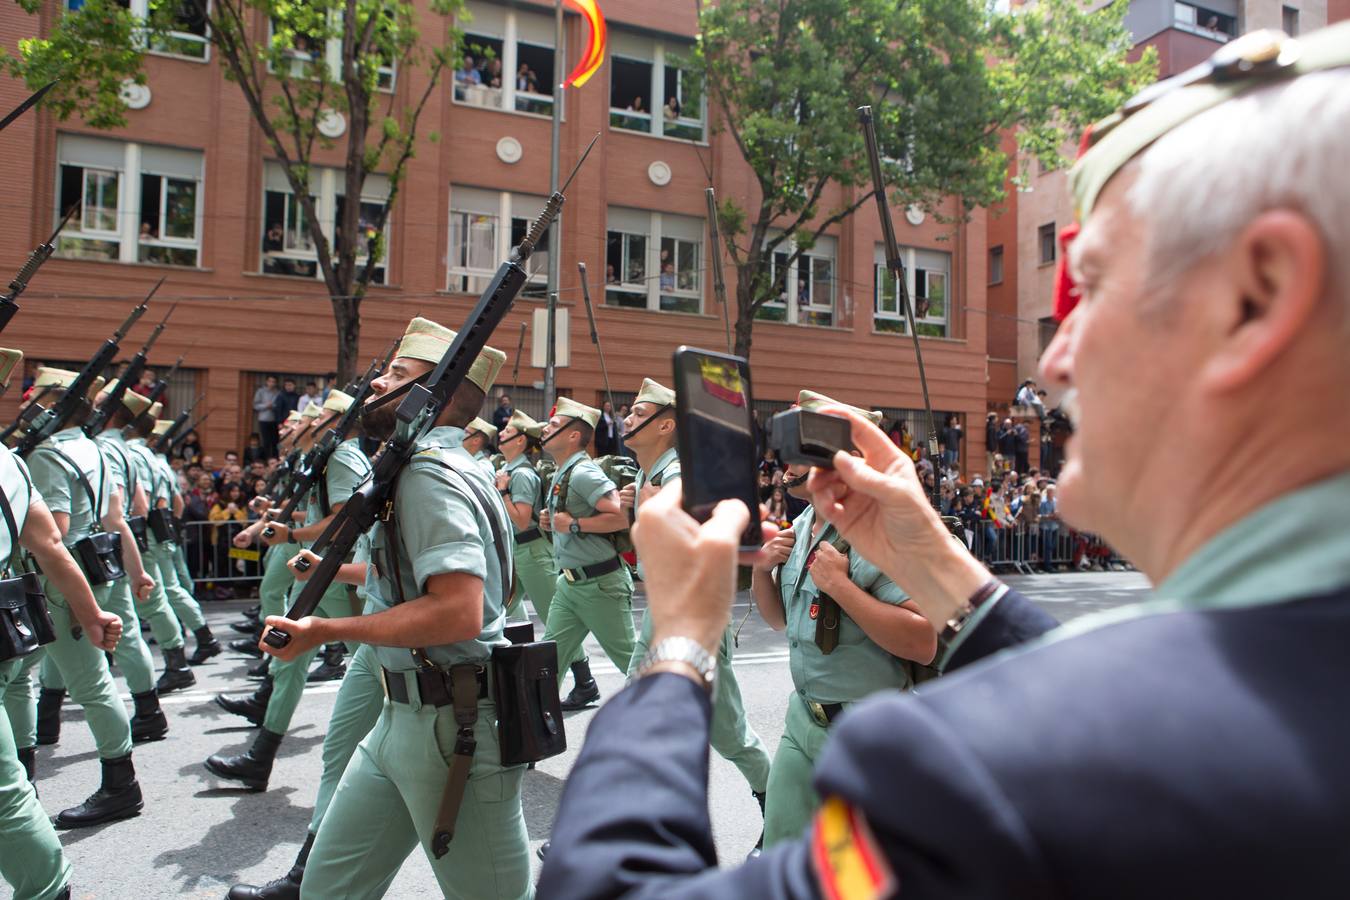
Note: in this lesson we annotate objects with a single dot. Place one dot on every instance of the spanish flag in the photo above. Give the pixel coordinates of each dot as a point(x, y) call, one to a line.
point(595, 46)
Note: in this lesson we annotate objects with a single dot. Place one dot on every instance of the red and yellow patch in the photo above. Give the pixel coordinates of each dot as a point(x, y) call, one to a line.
point(848, 863)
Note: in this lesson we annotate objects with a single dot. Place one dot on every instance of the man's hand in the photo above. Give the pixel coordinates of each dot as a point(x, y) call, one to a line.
point(545, 520)
point(829, 568)
point(503, 480)
point(562, 522)
point(776, 551)
point(259, 504)
point(690, 568)
point(104, 630)
point(144, 587)
point(628, 496)
point(304, 636)
point(313, 564)
point(245, 538)
point(281, 534)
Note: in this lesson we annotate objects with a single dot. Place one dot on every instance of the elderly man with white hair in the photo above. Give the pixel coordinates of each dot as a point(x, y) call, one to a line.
point(1191, 747)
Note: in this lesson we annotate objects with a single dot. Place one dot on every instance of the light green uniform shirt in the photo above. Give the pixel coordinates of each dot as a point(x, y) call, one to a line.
point(524, 483)
point(443, 529)
point(157, 487)
point(21, 494)
point(121, 467)
point(347, 468)
point(588, 484)
point(62, 490)
point(484, 459)
point(858, 666)
point(1285, 550)
point(665, 470)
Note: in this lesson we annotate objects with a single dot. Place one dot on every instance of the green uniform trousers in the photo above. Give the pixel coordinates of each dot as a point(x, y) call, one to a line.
point(792, 800)
point(731, 735)
point(275, 589)
point(536, 574)
point(181, 566)
point(386, 805)
point(32, 862)
point(180, 596)
point(21, 705)
point(600, 606)
point(288, 678)
point(86, 675)
point(132, 655)
point(157, 611)
point(359, 701)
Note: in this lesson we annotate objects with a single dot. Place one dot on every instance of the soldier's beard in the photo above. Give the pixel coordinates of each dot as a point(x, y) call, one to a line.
point(379, 423)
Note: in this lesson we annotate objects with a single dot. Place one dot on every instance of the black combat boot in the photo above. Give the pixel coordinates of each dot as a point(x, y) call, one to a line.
point(177, 675)
point(63, 894)
point(247, 646)
point(287, 887)
point(28, 758)
point(759, 844)
point(118, 797)
point(332, 668)
point(252, 767)
point(49, 715)
point(585, 692)
point(207, 646)
point(258, 669)
point(251, 706)
point(148, 723)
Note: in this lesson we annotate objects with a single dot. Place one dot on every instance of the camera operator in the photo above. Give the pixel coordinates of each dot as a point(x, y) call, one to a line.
point(1189, 748)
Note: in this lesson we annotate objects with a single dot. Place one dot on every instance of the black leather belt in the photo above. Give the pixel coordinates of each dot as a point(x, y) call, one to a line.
point(594, 570)
point(433, 686)
point(824, 713)
point(528, 535)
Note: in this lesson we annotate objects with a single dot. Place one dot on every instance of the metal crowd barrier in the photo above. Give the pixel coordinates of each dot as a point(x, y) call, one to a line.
point(214, 562)
point(1027, 548)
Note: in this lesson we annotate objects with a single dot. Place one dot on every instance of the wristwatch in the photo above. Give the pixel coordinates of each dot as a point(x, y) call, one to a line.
point(575, 527)
point(684, 650)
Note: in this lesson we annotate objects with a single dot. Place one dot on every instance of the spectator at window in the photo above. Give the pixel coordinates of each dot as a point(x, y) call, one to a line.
point(636, 105)
point(611, 276)
point(502, 414)
point(1022, 446)
point(668, 276)
point(253, 449)
point(190, 450)
point(288, 401)
point(778, 508)
point(264, 410)
point(326, 385)
point(312, 394)
point(606, 432)
point(493, 73)
point(672, 109)
point(951, 442)
point(768, 463)
point(146, 386)
point(468, 73)
point(274, 240)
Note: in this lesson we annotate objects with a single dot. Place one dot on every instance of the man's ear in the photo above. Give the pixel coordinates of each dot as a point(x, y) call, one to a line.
point(1274, 277)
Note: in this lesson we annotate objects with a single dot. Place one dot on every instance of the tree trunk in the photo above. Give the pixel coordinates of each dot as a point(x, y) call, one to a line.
point(745, 313)
point(347, 316)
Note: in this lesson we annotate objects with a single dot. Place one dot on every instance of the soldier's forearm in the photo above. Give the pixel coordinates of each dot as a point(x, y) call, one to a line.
point(449, 612)
point(604, 523)
point(899, 630)
point(767, 599)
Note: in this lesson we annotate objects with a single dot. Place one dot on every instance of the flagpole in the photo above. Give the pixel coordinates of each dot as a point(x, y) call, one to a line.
point(555, 230)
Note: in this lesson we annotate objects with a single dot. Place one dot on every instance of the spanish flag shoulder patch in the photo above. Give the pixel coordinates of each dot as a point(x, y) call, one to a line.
point(849, 864)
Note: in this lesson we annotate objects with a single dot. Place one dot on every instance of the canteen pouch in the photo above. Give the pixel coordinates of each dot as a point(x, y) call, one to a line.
point(25, 624)
point(529, 710)
point(827, 624)
point(140, 531)
point(100, 556)
point(161, 525)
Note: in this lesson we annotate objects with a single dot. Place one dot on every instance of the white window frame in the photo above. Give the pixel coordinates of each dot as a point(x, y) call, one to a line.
point(141, 9)
point(332, 56)
point(794, 309)
point(637, 50)
point(510, 206)
point(507, 97)
point(909, 257)
point(126, 234)
point(657, 232)
point(325, 187)
point(171, 243)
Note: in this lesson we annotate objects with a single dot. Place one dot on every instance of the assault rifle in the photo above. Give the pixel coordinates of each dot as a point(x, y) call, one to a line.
point(39, 256)
point(39, 423)
point(171, 446)
point(179, 421)
point(421, 405)
point(162, 384)
point(27, 104)
point(897, 269)
point(130, 375)
point(316, 460)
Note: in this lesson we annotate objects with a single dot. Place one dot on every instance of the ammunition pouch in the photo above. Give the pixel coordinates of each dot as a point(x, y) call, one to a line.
point(827, 624)
point(100, 555)
point(161, 525)
point(529, 710)
point(25, 624)
point(140, 531)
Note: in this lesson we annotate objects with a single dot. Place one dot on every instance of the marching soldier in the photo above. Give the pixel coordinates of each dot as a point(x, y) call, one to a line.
point(650, 434)
point(522, 489)
point(594, 589)
point(69, 472)
point(849, 631)
point(344, 471)
point(480, 438)
point(33, 863)
point(438, 585)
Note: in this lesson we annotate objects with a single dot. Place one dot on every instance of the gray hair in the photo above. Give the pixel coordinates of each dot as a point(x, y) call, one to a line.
point(1283, 146)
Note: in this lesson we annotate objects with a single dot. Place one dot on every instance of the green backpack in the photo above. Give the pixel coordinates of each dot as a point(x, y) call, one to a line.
point(621, 470)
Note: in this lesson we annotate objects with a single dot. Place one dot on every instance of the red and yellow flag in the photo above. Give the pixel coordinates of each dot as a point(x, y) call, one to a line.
point(595, 46)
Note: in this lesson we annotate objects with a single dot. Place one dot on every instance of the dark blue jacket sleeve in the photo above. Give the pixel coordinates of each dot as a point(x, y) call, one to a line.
point(633, 820)
point(1013, 620)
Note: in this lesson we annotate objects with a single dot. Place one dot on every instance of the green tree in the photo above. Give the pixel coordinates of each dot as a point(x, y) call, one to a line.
point(946, 80)
point(296, 62)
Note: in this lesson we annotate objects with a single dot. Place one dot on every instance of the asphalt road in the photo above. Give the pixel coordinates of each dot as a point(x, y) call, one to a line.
point(197, 837)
